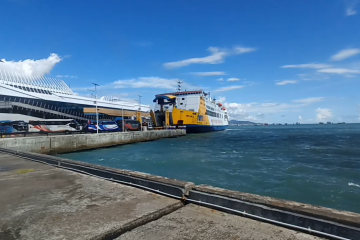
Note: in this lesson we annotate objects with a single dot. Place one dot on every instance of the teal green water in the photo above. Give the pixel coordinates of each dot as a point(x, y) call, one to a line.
point(316, 164)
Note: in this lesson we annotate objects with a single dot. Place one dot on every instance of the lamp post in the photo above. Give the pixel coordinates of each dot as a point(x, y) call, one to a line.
point(140, 112)
point(97, 115)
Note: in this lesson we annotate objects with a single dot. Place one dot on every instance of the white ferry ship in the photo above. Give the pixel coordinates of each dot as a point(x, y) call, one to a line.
point(36, 97)
point(194, 109)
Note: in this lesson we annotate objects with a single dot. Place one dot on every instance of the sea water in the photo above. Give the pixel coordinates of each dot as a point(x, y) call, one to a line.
point(315, 164)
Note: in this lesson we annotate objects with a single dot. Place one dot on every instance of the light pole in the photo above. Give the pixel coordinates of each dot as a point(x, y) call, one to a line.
point(140, 112)
point(97, 115)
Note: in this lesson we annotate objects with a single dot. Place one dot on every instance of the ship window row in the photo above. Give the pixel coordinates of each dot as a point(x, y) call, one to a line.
point(214, 114)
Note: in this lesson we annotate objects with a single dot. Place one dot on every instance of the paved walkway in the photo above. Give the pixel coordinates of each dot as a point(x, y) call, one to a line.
point(38, 201)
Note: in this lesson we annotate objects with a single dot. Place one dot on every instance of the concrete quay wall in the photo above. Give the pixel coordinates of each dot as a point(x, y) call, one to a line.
point(319, 221)
point(70, 143)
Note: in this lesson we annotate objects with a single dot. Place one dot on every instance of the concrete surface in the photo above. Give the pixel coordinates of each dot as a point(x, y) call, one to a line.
point(343, 217)
point(196, 222)
point(70, 143)
point(38, 201)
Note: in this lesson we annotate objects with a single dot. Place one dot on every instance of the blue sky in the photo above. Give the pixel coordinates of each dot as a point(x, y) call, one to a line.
point(269, 61)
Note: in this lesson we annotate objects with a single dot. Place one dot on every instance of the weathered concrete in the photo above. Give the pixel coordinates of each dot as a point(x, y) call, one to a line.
point(38, 201)
point(69, 143)
point(343, 217)
point(196, 222)
point(57, 161)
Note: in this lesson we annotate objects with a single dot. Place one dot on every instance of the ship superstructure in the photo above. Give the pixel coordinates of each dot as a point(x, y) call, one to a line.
point(44, 97)
point(194, 109)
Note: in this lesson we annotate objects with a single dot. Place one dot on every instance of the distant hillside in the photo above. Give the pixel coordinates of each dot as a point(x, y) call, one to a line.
point(240, 122)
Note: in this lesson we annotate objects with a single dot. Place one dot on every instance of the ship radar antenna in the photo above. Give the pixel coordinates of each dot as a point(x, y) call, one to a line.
point(179, 86)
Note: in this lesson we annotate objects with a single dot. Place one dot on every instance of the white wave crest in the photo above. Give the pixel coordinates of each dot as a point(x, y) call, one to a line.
point(353, 184)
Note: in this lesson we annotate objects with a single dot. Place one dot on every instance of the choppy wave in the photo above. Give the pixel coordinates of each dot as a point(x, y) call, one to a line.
point(353, 184)
point(304, 163)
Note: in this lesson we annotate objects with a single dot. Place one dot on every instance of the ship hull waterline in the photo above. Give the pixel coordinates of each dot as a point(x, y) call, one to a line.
point(204, 129)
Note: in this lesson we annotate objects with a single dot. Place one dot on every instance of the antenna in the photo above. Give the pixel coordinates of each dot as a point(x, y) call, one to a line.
point(179, 86)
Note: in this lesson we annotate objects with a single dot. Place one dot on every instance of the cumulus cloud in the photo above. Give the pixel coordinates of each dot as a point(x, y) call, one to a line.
point(65, 76)
point(216, 56)
point(224, 89)
point(308, 65)
point(31, 67)
point(241, 111)
point(285, 82)
point(233, 79)
point(221, 99)
point(323, 114)
point(150, 82)
point(339, 71)
point(208, 74)
point(254, 111)
point(346, 53)
point(309, 100)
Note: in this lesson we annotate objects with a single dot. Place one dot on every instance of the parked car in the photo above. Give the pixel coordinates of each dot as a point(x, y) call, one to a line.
point(13, 126)
point(104, 126)
point(129, 124)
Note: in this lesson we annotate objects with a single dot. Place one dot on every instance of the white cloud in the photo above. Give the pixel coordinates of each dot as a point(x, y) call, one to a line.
point(339, 71)
point(220, 79)
point(224, 89)
point(350, 7)
point(350, 11)
point(206, 74)
point(285, 82)
point(309, 100)
point(242, 50)
point(151, 82)
point(241, 111)
point(221, 99)
point(244, 111)
point(233, 79)
point(323, 114)
point(308, 65)
point(216, 56)
point(346, 53)
point(30, 67)
point(313, 76)
point(65, 76)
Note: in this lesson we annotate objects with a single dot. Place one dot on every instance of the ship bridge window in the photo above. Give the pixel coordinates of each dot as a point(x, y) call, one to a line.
point(210, 113)
point(181, 103)
point(183, 99)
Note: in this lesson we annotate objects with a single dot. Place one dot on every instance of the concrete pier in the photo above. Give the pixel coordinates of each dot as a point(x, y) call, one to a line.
point(40, 201)
point(69, 143)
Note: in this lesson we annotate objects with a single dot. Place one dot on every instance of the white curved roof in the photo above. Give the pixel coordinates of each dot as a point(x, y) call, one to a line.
point(45, 88)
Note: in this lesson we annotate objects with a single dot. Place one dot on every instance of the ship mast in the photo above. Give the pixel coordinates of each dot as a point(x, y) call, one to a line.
point(179, 86)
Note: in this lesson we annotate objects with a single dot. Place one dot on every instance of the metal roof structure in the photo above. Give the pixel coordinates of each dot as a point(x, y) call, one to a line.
point(38, 84)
